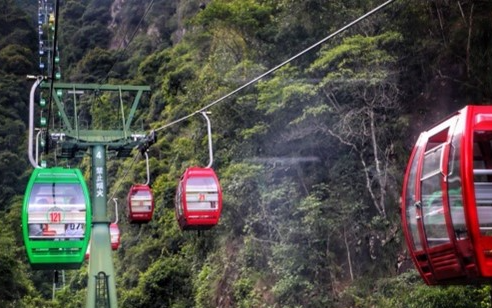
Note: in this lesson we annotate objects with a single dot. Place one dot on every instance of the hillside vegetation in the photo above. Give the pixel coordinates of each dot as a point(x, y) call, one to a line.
point(311, 158)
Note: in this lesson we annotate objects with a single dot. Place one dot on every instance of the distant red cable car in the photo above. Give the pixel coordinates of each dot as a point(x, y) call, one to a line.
point(140, 203)
point(115, 236)
point(114, 232)
point(88, 252)
point(140, 200)
point(447, 199)
point(198, 199)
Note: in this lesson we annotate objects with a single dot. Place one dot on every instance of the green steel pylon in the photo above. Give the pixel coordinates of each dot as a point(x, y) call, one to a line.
point(101, 287)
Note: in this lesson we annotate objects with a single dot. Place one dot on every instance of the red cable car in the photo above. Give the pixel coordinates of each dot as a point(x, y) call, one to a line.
point(140, 204)
point(115, 236)
point(88, 252)
point(114, 232)
point(447, 199)
point(198, 201)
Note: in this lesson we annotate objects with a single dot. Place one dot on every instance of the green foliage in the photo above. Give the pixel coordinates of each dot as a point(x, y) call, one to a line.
point(17, 289)
point(72, 10)
point(245, 293)
point(245, 15)
point(407, 290)
point(85, 27)
point(359, 58)
point(94, 66)
point(70, 297)
point(13, 282)
point(287, 91)
point(15, 28)
point(13, 102)
point(166, 283)
point(205, 286)
point(15, 59)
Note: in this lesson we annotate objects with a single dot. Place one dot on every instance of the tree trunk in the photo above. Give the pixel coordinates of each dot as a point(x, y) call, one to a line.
point(349, 258)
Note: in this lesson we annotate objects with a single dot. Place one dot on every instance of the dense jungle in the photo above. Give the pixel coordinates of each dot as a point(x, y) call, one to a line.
point(310, 158)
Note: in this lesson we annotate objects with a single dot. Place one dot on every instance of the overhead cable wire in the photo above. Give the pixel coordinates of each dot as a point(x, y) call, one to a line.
point(277, 67)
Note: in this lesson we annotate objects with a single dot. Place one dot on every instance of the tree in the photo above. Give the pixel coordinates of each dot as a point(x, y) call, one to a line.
point(166, 283)
point(360, 93)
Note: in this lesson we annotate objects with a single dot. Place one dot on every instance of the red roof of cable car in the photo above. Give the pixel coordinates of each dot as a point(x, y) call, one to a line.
point(447, 199)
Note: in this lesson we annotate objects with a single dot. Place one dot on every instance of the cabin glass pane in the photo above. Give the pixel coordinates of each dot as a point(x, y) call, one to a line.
point(56, 211)
point(432, 202)
point(454, 189)
point(141, 201)
point(202, 194)
point(114, 232)
point(411, 209)
point(194, 184)
point(179, 199)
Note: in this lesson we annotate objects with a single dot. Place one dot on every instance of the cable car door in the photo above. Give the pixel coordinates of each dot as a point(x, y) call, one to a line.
point(435, 218)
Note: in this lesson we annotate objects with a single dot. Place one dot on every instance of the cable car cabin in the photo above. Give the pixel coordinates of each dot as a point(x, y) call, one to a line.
point(88, 251)
point(140, 204)
point(56, 218)
point(115, 235)
point(198, 201)
point(114, 232)
point(447, 200)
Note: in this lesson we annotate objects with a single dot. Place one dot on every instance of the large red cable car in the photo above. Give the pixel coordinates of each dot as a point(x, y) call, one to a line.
point(447, 199)
point(140, 203)
point(198, 201)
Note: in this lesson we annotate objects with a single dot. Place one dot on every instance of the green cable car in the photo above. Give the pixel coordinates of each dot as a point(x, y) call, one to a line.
point(56, 218)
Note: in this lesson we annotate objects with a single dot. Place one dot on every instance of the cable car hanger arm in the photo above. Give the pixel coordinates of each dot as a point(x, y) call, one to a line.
point(33, 161)
point(209, 133)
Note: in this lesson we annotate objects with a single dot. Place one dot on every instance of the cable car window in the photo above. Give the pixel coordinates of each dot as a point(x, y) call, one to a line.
point(179, 200)
point(432, 163)
point(437, 139)
point(482, 162)
point(201, 194)
point(454, 189)
point(201, 184)
point(56, 211)
point(432, 202)
point(411, 208)
point(141, 201)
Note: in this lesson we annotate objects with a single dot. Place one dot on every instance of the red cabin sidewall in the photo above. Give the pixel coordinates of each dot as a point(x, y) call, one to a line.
point(480, 243)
